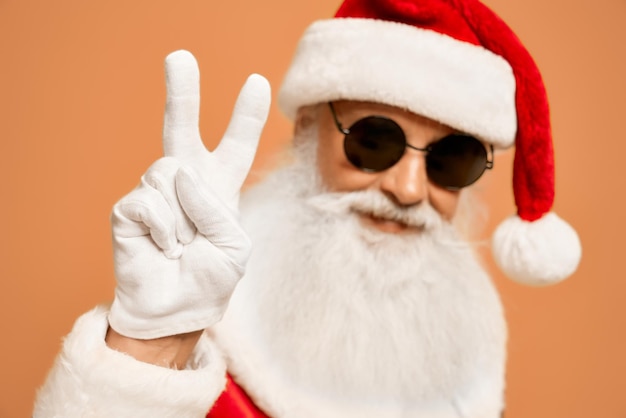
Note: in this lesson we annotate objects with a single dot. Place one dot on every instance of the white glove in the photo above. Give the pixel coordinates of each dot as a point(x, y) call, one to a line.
point(178, 247)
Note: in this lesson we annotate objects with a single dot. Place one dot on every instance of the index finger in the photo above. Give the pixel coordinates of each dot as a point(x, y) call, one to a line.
point(181, 134)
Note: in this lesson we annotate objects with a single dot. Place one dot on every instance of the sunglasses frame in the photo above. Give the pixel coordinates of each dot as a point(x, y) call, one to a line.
point(346, 131)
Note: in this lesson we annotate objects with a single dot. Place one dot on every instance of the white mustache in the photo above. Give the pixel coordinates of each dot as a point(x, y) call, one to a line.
point(372, 202)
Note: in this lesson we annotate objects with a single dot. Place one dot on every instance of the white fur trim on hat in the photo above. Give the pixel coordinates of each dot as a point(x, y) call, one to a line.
point(468, 87)
point(538, 253)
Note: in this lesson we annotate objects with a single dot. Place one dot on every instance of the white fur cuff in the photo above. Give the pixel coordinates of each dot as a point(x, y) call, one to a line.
point(89, 379)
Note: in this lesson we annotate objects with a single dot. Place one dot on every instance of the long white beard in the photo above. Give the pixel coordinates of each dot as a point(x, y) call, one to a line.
point(338, 309)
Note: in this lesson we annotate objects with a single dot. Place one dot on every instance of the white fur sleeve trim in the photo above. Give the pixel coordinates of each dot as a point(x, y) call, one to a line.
point(89, 379)
point(537, 253)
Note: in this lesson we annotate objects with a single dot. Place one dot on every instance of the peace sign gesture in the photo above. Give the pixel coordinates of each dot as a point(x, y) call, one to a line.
point(181, 138)
point(178, 247)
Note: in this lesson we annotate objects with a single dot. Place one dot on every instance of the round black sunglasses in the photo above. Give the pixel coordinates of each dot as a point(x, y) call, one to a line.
point(376, 143)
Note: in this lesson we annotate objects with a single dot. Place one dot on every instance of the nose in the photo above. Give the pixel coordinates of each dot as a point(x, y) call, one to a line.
point(406, 182)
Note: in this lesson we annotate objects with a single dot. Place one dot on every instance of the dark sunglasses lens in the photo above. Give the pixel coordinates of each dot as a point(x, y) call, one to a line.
point(374, 143)
point(456, 161)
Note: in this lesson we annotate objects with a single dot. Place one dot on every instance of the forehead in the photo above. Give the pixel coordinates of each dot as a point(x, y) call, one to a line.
point(349, 111)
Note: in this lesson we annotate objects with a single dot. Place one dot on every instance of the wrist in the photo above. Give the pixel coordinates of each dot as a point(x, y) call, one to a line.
point(172, 351)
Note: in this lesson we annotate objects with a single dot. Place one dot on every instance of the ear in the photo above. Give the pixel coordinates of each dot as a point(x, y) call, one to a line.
point(305, 118)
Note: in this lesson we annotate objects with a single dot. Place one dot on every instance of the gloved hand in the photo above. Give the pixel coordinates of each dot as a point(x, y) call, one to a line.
point(178, 247)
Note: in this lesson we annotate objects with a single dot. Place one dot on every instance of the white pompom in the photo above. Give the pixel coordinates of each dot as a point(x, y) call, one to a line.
point(536, 253)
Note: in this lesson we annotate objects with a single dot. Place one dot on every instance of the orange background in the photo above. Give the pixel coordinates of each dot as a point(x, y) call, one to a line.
point(81, 100)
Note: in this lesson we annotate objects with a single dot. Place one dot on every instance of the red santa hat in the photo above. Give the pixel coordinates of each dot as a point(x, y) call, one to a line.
point(456, 62)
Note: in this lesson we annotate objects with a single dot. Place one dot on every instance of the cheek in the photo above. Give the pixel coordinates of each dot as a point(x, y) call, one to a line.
point(444, 201)
point(329, 163)
point(336, 172)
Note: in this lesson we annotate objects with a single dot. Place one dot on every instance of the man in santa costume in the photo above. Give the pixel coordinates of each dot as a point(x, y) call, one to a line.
point(340, 286)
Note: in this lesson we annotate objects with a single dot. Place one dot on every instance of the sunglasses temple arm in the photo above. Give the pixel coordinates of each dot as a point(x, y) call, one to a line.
point(489, 163)
point(337, 123)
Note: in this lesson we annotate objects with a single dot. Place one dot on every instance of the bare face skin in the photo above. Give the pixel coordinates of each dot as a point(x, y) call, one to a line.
point(406, 183)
